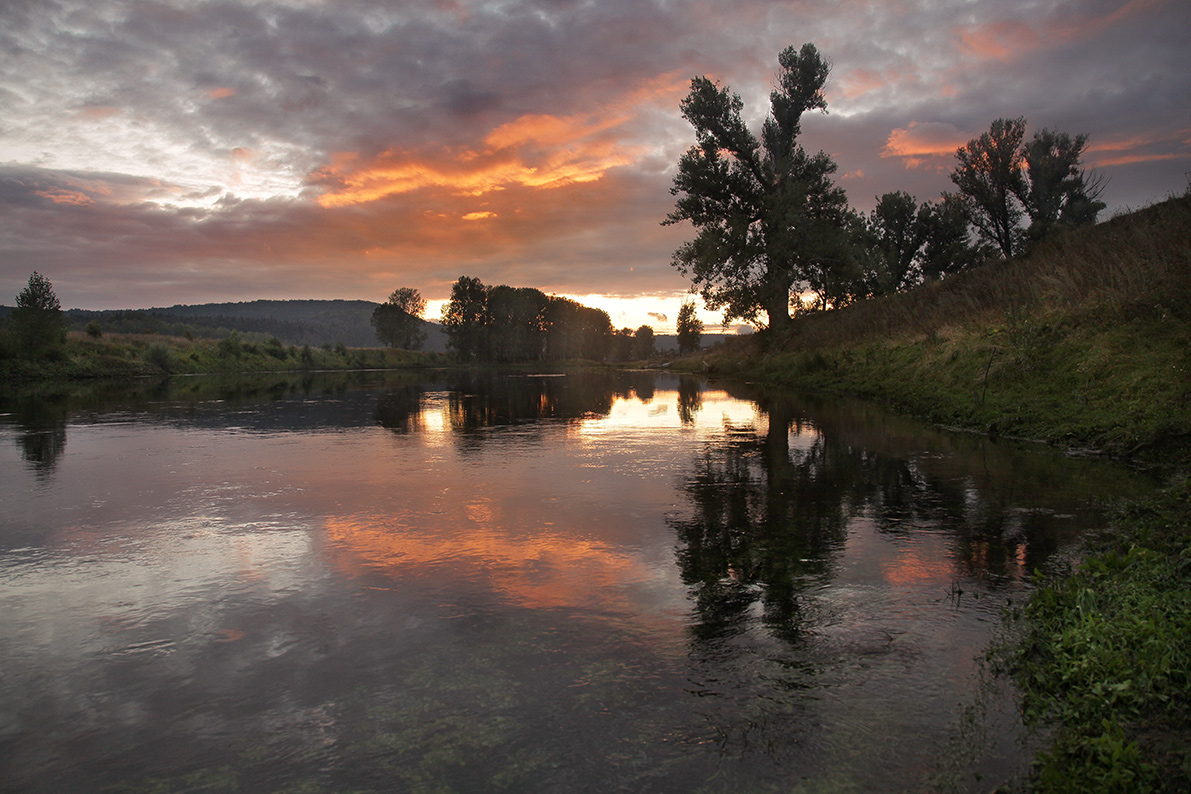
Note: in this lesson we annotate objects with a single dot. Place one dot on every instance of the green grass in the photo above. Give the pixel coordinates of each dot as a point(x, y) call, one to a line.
point(146, 355)
point(1105, 654)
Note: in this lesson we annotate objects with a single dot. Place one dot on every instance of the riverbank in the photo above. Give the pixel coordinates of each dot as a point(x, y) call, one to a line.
point(122, 356)
point(1085, 345)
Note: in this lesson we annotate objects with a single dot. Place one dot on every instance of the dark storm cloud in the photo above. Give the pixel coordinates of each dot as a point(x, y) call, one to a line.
point(179, 150)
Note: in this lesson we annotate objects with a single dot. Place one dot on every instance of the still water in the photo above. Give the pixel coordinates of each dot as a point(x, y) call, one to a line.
point(593, 582)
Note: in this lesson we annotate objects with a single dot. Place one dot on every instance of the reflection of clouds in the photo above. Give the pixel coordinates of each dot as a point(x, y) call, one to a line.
point(534, 567)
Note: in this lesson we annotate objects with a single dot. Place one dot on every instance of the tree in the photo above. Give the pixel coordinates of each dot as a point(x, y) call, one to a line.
point(517, 317)
point(37, 322)
point(989, 177)
point(766, 213)
point(643, 342)
point(465, 318)
point(576, 331)
point(946, 243)
point(690, 328)
point(622, 344)
point(1058, 193)
point(398, 321)
point(898, 236)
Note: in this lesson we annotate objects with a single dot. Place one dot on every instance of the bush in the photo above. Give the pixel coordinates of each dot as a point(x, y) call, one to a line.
point(159, 356)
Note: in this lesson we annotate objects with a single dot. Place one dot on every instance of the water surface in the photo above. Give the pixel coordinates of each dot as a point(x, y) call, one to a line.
point(591, 582)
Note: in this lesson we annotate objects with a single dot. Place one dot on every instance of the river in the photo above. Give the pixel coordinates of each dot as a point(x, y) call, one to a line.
point(602, 581)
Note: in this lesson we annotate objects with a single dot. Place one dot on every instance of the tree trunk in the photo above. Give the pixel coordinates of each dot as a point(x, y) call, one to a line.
point(778, 309)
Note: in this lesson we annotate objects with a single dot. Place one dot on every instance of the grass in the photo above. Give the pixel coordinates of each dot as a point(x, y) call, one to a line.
point(1105, 653)
point(145, 355)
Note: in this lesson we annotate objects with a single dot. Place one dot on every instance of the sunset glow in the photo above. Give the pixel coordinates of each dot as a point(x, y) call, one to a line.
point(327, 151)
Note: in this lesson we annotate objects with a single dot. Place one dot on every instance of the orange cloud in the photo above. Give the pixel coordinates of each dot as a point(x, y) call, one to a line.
point(923, 143)
point(1140, 149)
point(569, 155)
point(98, 112)
point(221, 92)
point(535, 150)
point(1007, 39)
point(67, 197)
point(479, 216)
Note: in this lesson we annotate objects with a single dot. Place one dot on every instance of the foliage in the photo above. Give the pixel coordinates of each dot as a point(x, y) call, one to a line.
point(766, 214)
point(946, 245)
point(643, 342)
point(36, 323)
point(465, 319)
point(989, 177)
point(1002, 180)
point(398, 321)
point(1104, 653)
point(689, 328)
point(1060, 195)
point(506, 324)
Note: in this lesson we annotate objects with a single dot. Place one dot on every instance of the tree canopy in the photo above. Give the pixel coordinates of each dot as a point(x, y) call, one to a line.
point(766, 213)
point(398, 321)
point(689, 328)
point(505, 324)
point(37, 322)
point(1003, 179)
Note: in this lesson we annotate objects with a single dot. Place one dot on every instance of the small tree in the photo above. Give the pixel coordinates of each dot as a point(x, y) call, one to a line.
point(1058, 193)
point(643, 342)
point(989, 177)
point(690, 329)
point(37, 322)
point(946, 242)
point(398, 321)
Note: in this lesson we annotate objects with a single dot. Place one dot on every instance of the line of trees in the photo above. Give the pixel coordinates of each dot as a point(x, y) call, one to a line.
point(771, 224)
point(504, 324)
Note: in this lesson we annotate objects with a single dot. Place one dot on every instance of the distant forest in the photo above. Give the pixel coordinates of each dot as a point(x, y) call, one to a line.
point(294, 322)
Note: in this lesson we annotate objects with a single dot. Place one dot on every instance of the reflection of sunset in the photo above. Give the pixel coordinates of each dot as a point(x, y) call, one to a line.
point(917, 566)
point(545, 567)
point(718, 410)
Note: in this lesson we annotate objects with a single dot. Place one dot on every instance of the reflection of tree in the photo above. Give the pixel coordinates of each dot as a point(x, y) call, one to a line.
point(765, 525)
point(768, 517)
point(690, 399)
point(400, 409)
point(43, 432)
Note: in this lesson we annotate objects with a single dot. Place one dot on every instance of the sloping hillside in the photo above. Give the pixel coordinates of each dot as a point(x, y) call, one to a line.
point(1085, 343)
point(294, 322)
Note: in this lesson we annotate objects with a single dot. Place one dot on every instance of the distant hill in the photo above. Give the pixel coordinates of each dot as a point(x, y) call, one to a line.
point(294, 322)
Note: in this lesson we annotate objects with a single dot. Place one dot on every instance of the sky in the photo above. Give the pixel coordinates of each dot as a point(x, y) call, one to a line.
point(190, 151)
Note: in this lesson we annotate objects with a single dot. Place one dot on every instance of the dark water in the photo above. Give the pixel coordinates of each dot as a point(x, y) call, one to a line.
point(599, 582)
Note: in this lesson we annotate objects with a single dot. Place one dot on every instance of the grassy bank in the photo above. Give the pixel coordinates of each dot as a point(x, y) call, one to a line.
point(150, 355)
point(1086, 344)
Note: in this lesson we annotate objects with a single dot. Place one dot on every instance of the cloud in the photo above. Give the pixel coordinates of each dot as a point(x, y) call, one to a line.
point(930, 144)
point(177, 152)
